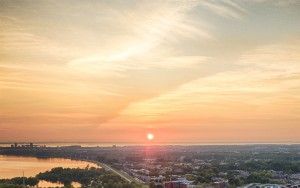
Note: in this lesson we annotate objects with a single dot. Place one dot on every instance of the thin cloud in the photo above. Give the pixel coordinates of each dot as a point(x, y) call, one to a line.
point(159, 27)
point(233, 93)
point(227, 9)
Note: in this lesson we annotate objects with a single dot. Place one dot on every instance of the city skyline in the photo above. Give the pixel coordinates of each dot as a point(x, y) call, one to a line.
point(119, 71)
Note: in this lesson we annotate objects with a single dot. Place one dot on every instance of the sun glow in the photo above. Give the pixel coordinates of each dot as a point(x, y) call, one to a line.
point(150, 136)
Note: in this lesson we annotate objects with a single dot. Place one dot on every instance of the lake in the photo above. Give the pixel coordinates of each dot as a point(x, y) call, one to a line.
point(14, 166)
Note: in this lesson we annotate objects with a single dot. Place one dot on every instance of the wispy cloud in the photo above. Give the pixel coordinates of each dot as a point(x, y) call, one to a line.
point(278, 3)
point(112, 64)
point(268, 79)
point(159, 26)
point(227, 8)
point(163, 24)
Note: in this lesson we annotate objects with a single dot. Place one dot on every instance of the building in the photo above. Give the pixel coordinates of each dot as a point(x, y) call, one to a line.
point(175, 184)
point(179, 183)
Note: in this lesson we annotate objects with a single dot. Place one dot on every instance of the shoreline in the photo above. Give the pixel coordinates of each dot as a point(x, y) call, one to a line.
point(107, 167)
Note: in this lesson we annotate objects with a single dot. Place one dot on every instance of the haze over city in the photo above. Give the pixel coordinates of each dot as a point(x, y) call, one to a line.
point(150, 71)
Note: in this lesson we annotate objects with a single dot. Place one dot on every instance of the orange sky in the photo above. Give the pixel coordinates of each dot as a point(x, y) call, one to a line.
point(187, 71)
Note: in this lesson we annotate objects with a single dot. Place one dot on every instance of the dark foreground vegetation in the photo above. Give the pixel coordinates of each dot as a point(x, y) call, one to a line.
point(88, 177)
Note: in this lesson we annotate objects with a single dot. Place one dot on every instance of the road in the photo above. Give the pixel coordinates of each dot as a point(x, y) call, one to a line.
point(120, 173)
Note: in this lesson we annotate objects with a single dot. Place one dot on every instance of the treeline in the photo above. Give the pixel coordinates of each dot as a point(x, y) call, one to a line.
point(68, 175)
point(283, 165)
point(5, 185)
point(18, 182)
point(88, 177)
point(255, 177)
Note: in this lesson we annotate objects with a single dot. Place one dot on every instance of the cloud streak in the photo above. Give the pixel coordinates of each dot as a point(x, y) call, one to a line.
point(269, 78)
point(95, 66)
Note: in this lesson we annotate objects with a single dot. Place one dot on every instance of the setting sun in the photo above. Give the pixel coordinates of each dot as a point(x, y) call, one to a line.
point(158, 94)
point(74, 74)
point(150, 136)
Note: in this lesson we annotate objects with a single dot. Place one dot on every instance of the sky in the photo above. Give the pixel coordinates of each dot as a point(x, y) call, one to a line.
point(186, 71)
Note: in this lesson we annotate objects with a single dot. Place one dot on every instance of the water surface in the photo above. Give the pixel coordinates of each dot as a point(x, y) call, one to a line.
point(14, 166)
